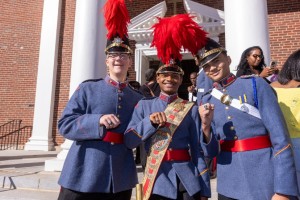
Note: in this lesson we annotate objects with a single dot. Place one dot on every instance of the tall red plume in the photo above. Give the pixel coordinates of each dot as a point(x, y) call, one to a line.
point(116, 18)
point(172, 33)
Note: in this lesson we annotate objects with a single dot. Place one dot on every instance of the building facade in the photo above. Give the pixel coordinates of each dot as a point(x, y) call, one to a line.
point(40, 44)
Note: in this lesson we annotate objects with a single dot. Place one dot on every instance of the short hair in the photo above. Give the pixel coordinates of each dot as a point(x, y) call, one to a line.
point(244, 66)
point(150, 74)
point(291, 69)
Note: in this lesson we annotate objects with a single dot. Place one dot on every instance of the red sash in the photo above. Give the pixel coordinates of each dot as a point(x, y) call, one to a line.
point(175, 113)
point(248, 144)
point(113, 137)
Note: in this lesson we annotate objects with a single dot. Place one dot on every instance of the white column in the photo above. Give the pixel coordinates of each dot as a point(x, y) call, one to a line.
point(88, 58)
point(41, 138)
point(141, 65)
point(246, 25)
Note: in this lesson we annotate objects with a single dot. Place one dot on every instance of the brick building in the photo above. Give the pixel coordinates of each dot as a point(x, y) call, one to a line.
point(23, 54)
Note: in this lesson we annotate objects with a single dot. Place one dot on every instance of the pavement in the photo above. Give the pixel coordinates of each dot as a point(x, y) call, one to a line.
point(22, 176)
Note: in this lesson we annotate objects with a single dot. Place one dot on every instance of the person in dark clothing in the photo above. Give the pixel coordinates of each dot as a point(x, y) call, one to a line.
point(192, 89)
point(151, 87)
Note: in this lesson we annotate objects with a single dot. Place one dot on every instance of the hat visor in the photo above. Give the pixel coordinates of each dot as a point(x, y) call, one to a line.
point(209, 58)
point(170, 69)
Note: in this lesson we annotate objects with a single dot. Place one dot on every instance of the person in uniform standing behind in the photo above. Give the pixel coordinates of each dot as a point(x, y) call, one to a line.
point(255, 159)
point(203, 85)
point(98, 165)
point(169, 125)
point(288, 92)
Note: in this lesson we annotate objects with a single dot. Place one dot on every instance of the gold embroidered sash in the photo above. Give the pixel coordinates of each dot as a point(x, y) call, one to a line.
point(175, 113)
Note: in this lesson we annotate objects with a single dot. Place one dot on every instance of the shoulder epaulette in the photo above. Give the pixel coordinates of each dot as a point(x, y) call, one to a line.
point(248, 76)
point(93, 80)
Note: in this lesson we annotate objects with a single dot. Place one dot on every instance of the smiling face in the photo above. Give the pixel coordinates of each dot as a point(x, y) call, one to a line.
point(254, 58)
point(118, 65)
point(169, 82)
point(218, 68)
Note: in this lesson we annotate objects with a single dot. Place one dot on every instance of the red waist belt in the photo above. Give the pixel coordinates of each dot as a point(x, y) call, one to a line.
point(248, 144)
point(113, 137)
point(177, 155)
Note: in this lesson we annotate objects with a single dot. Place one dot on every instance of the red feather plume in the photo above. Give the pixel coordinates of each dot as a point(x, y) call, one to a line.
point(116, 18)
point(171, 34)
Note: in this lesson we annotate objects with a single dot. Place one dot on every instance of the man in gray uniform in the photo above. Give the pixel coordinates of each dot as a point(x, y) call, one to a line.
point(98, 165)
point(255, 159)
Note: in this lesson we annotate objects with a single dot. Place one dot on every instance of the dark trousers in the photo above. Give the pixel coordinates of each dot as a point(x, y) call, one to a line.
point(143, 155)
point(66, 194)
point(181, 194)
point(222, 197)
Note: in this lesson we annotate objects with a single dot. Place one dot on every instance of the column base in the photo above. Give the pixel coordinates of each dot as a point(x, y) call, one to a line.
point(54, 165)
point(39, 144)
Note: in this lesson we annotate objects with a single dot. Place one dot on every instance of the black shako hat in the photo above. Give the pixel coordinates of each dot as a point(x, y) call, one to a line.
point(210, 51)
point(118, 44)
point(116, 21)
point(171, 67)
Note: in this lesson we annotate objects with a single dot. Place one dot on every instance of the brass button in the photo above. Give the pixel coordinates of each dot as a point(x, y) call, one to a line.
point(118, 116)
point(119, 91)
point(119, 107)
point(232, 128)
point(120, 98)
point(170, 149)
point(235, 137)
point(224, 90)
point(229, 117)
point(226, 107)
point(112, 143)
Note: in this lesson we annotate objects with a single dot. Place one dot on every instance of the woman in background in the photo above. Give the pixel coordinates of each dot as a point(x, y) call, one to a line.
point(288, 92)
point(252, 62)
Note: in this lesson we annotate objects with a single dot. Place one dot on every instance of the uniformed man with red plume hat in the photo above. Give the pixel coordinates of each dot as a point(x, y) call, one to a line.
point(98, 165)
point(170, 126)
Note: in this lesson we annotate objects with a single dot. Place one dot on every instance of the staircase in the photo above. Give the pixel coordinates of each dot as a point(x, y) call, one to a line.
point(13, 136)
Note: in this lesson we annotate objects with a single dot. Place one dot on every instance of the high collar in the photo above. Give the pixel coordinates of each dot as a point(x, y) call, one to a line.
point(168, 98)
point(116, 84)
point(225, 81)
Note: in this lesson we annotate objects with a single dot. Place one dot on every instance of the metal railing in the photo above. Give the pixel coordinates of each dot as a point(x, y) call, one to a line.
point(13, 136)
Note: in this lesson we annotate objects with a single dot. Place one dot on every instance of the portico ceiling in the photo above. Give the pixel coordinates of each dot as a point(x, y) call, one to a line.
point(210, 19)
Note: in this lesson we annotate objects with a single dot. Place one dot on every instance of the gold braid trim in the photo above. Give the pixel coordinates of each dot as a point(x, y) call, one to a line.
point(281, 150)
point(211, 52)
point(136, 133)
point(203, 172)
point(115, 44)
